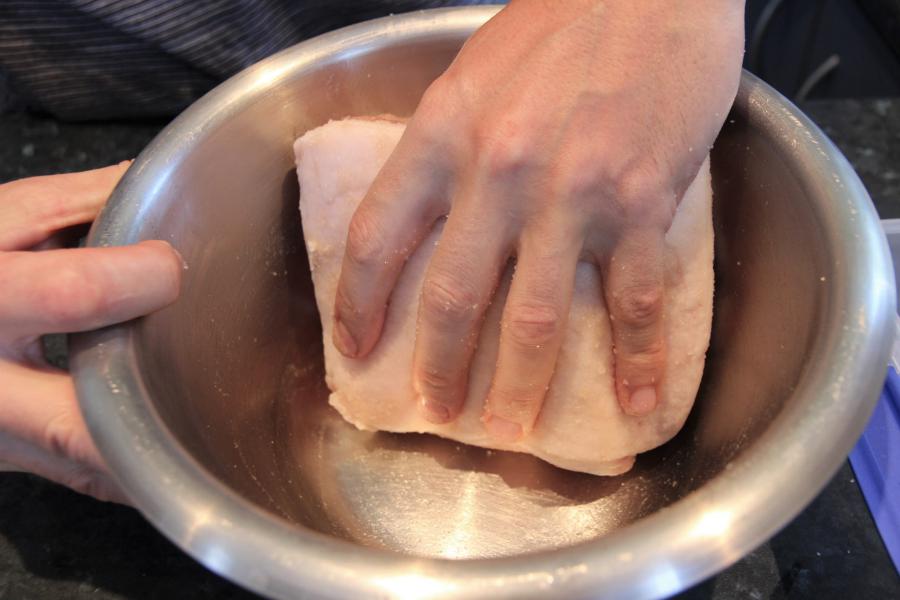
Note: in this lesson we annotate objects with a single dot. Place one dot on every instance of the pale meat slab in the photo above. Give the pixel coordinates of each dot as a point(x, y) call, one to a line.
point(581, 426)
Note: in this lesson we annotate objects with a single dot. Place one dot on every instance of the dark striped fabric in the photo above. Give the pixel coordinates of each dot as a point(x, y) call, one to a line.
point(102, 59)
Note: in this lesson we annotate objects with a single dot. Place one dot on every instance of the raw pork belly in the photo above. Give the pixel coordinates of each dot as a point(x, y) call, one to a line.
point(580, 426)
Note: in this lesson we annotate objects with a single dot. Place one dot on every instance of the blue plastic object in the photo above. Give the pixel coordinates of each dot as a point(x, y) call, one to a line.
point(876, 462)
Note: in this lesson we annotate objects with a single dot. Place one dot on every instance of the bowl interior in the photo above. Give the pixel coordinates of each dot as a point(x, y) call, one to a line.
point(234, 368)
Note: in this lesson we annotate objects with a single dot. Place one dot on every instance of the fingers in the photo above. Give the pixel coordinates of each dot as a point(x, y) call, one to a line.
point(40, 409)
point(633, 281)
point(533, 325)
point(32, 209)
point(80, 289)
point(76, 476)
point(42, 431)
point(458, 286)
point(397, 213)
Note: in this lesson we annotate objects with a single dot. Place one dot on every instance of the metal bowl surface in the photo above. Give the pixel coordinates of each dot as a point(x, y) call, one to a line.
point(212, 412)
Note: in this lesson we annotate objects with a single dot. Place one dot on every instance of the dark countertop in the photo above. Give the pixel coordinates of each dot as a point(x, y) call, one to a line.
point(57, 544)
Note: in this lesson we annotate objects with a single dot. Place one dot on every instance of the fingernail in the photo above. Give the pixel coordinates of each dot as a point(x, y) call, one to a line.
point(501, 429)
point(642, 401)
point(434, 411)
point(343, 341)
point(174, 287)
point(181, 262)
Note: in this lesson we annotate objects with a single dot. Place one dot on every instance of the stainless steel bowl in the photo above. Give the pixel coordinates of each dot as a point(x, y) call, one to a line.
point(212, 413)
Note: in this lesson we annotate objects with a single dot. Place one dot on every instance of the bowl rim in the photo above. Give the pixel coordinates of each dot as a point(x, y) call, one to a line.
point(657, 556)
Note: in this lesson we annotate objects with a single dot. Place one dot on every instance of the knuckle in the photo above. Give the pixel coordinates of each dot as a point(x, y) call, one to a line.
point(55, 206)
point(435, 114)
point(455, 93)
point(639, 192)
point(636, 181)
point(344, 308)
point(533, 325)
point(365, 241)
point(86, 481)
point(504, 149)
point(588, 176)
point(447, 299)
point(517, 404)
point(61, 437)
point(642, 364)
point(585, 184)
point(436, 382)
point(433, 105)
point(639, 306)
point(50, 198)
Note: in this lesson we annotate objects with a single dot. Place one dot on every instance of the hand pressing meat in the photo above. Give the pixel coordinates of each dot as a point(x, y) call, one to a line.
point(562, 132)
point(581, 426)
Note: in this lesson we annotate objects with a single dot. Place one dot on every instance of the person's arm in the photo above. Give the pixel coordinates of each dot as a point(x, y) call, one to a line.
point(563, 131)
point(64, 290)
